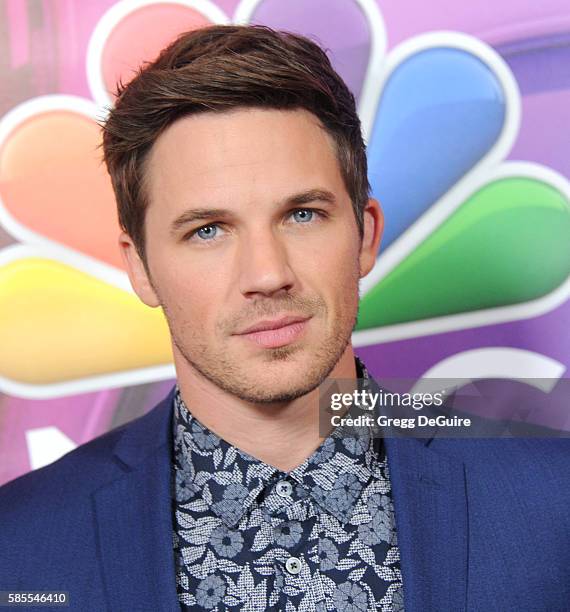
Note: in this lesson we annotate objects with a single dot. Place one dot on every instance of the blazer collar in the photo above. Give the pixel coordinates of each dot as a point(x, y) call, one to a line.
point(134, 517)
point(147, 434)
point(430, 505)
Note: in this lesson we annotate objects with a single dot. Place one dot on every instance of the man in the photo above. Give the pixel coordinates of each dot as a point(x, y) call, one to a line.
point(240, 176)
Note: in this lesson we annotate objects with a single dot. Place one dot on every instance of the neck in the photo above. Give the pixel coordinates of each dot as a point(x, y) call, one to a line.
point(282, 436)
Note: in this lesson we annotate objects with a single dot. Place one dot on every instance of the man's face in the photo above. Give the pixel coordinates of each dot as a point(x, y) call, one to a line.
point(249, 221)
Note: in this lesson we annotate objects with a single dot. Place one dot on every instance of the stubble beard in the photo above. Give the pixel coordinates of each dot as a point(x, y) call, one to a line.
point(228, 376)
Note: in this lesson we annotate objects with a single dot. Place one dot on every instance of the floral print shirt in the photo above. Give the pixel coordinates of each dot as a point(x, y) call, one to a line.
point(250, 537)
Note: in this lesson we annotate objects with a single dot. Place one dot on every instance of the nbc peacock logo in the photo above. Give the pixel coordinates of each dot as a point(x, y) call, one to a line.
point(471, 240)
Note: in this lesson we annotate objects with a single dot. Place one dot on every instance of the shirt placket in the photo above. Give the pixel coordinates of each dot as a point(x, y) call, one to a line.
point(293, 518)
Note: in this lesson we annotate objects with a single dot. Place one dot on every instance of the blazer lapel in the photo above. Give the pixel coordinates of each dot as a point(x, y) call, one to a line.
point(430, 504)
point(134, 518)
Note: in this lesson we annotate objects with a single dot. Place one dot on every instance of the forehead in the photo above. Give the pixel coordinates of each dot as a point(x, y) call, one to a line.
point(245, 151)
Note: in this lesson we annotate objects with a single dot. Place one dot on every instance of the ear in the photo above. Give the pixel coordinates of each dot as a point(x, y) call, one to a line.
point(373, 229)
point(138, 275)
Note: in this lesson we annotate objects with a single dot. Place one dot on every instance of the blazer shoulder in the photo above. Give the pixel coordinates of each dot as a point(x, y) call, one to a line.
point(537, 467)
point(80, 471)
point(73, 472)
point(491, 451)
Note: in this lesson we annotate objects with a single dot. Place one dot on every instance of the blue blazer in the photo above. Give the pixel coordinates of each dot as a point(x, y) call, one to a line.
point(483, 524)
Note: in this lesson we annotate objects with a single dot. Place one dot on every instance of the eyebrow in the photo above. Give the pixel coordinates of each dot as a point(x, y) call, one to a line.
point(199, 214)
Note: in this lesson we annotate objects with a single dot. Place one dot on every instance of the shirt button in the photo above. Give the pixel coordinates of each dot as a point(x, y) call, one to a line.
point(293, 565)
point(284, 488)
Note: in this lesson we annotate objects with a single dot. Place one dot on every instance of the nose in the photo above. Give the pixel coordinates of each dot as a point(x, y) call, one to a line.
point(264, 265)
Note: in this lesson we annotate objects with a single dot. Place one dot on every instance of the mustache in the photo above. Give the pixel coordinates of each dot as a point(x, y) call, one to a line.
point(271, 309)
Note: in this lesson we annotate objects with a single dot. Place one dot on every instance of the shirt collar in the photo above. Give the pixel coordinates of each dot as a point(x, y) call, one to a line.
point(333, 475)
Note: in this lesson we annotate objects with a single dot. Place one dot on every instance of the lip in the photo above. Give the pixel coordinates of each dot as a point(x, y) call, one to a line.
point(275, 324)
point(272, 334)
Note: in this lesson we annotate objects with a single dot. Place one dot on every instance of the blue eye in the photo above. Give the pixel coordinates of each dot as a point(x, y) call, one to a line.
point(307, 214)
point(207, 232)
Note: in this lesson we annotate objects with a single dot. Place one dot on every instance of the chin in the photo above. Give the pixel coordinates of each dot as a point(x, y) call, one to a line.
point(279, 395)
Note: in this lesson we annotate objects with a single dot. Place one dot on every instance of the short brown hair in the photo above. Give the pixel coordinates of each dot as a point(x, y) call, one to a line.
point(219, 68)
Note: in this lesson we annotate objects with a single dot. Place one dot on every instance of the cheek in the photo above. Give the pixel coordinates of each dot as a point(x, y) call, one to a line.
point(175, 272)
point(342, 263)
point(334, 252)
point(346, 276)
point(179, 294)
point(335, 274)
point(195, 301)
